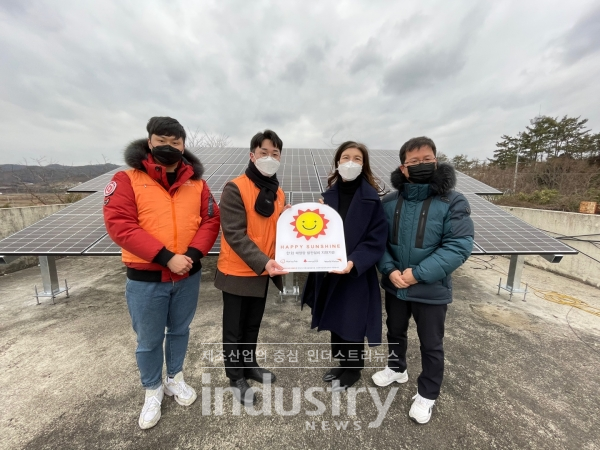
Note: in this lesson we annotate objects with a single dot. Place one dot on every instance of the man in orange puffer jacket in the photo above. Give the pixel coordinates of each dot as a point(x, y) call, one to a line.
point(165, 218)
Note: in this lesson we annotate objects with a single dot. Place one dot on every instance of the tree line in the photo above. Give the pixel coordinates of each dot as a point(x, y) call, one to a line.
point(543, 139)
point(549, 137)
point(552, 163)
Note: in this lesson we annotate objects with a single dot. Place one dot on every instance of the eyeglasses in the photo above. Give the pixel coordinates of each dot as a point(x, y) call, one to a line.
point(414, 162)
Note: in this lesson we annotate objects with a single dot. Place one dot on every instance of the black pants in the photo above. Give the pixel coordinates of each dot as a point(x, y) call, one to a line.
point(349, 353)
point(430, 321)
point(241, 322)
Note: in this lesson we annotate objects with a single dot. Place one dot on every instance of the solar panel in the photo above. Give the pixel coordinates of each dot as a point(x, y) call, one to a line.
point(97, 184)
point(238, 156)
point(213, 153)
point(498, 232)
point(323, 158)
point(61, 233)
point(468, 185)
point(104, 247)
point(297, 157)
point(477, 250)
point(295, 177)
point(213, 156)
point(223, 174)
point(386, 162)
point(382, 175)
point(386, 152)
point(304, 197)
point(209, 169)
point(89, 205)
point(298, 151)
point(323, 174)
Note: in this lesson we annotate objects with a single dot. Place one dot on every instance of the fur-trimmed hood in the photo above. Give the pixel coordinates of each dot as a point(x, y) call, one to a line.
point(443, 181)
point(137, 152)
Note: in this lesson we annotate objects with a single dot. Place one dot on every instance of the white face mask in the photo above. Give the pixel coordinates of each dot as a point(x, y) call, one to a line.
point(267, 165)
point(349, 171)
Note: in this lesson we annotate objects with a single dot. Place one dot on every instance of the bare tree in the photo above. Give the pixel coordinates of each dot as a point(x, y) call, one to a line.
point(196, 140)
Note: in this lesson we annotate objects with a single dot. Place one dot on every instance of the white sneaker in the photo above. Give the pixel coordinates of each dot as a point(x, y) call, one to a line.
point(420, 411)
point(184, 394)
point(387, 376)
point(150, 414)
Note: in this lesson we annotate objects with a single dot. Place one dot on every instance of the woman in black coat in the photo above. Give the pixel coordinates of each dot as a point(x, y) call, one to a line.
point(348, 302)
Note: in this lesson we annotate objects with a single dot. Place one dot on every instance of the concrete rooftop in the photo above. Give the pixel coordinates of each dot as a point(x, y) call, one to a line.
point(518, 374)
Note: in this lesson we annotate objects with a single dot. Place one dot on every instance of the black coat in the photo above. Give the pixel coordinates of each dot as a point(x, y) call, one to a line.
point(350, 304)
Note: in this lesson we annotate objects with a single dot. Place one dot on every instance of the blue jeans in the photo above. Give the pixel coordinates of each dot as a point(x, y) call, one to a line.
point(154, 307)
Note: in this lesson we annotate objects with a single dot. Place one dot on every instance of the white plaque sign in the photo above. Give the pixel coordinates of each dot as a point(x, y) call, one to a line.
point(310, 238)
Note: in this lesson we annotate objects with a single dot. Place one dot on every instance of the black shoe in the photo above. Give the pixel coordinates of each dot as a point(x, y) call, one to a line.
point(333, 374)
point(259, 374)
point(243, 392)
point(346, 380)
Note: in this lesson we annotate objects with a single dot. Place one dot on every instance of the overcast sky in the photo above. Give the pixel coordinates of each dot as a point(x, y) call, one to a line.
point(79, 79)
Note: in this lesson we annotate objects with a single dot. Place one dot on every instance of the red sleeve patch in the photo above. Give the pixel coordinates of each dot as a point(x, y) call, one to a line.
point(110, 188)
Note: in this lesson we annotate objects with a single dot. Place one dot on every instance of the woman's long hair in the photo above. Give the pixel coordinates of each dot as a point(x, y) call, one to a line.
point(334, 176)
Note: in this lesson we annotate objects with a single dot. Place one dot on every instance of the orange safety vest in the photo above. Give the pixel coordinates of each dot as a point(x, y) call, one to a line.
point(174, 221)
point(261, 230)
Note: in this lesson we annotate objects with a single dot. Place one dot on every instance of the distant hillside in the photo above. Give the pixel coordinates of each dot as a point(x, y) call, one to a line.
point(14, 175)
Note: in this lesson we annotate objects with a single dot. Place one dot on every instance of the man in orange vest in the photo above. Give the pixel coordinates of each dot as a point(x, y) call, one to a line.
point(165, 219)
point(250, 206)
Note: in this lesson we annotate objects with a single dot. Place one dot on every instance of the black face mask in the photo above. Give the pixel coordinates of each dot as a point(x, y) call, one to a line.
point(166, 154)
point(421, 173)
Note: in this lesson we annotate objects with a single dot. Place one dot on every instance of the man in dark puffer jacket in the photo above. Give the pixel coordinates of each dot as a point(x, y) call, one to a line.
point(430, 235)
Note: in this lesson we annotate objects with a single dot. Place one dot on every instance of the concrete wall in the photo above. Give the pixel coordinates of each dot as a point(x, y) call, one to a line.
point(15, 219)
point(578, 266)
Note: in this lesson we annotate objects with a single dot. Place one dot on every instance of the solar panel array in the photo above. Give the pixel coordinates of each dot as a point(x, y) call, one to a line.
point(500, 233)
point(79, 228)
point(70, 231)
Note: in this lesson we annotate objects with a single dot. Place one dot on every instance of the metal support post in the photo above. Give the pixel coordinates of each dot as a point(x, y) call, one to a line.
point(513, 282)
point(515, 270)
point(290, 288)
point(49, 280)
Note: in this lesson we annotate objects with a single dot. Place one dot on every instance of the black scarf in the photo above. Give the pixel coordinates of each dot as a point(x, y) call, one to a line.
point(265, 202)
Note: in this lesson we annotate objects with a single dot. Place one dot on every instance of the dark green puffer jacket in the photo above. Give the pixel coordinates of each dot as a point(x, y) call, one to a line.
point(429, 230)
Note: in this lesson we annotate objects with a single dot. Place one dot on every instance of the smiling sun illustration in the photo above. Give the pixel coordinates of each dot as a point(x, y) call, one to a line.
point(309, 223)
